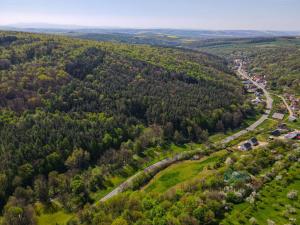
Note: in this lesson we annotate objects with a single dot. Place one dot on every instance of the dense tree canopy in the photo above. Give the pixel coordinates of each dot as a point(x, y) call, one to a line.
point(73, 111)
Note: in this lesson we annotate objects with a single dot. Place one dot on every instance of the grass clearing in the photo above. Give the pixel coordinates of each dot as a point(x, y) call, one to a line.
point(58, 218)
point(180, 172)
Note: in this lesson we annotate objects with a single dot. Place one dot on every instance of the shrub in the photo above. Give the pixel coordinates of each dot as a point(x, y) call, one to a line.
point(292, 195)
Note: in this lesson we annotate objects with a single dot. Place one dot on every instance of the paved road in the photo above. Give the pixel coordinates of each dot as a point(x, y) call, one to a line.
point(126, 184)
point(264, 117)
point(166, 162)
point(269, 99)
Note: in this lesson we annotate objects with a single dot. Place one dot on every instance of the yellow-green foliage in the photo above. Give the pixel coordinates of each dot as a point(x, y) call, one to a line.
point(60, 218)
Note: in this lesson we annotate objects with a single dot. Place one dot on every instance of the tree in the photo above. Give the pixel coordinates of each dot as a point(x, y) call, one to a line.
point(3, 187)
point(227, 119)
point(41, 189)
point(4, 64)
point(15, 215)
point(54, 162)
point(178, 138)
point(78, 159)
point(120, 221)
point(204, 215)
point(237, 119)
point(18, 210)
point(220, 126)
point(138, 148)
point(107, 140)
point(168, 131)
point(26, 172)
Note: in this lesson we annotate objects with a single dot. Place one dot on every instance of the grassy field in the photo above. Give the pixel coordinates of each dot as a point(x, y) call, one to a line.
point(153, 155)
point(294, 125)
point(272, 203)
point(58, 218)
point(240, 45)
point(180, 172)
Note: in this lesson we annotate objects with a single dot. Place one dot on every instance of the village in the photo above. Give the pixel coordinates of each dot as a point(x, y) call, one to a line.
point(291, 105)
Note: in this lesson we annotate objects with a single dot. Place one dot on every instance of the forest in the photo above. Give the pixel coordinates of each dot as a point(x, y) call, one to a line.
point(75, 112)
point(275, 57)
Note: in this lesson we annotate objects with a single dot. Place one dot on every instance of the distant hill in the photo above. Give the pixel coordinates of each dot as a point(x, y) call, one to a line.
point(53, 28)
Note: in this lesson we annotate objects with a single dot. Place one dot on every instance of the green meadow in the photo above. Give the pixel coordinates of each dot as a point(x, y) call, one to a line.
point(180, 172)
point(58, 218)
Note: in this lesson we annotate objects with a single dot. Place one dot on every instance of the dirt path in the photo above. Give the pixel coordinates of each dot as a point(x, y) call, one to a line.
point(286, 105)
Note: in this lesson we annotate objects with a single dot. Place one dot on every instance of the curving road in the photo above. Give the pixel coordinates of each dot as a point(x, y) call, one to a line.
point(269, 106)
point(166, 162)
point(122, 187)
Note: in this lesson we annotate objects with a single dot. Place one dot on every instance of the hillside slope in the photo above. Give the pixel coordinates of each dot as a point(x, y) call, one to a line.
point(75, 112)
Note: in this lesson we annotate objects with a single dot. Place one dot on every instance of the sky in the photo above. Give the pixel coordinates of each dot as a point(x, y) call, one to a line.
point(181, 14)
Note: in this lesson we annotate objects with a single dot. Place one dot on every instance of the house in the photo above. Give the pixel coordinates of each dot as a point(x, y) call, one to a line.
point(278, 116)
point(283, 126)
point(258, 94)
point(276, 133)
point(292, 119)
point(256, 101)
point(245, 147)
point(293, 135)
point(253, 141)
point(247, 82)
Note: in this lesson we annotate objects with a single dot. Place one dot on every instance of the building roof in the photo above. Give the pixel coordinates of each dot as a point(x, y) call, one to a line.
point(293, 135)
point(276, 132)
point(278, 116)
point(283, 126)
point(253, 140)
point(292, 118)
point(246, 146)
point(247, 82)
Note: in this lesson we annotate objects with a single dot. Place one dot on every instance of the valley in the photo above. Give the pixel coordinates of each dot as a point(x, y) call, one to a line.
point(126, 112)
point(111, 133)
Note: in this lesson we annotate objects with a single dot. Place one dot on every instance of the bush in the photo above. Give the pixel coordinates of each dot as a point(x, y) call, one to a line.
point(292, 195)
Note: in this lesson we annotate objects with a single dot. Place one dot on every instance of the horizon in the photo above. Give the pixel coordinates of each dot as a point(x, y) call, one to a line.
point(81, 27)
point(258, 15)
